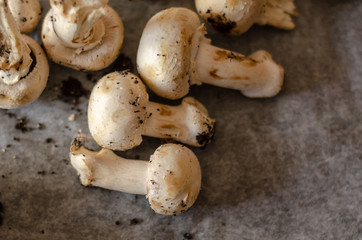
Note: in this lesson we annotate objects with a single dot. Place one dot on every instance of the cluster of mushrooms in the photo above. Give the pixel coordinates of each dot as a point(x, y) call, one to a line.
point(173, 54)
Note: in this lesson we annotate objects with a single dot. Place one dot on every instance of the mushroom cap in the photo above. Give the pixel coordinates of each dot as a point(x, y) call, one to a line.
point(97, 58)
point(230, 16)
point(26, 14)
point(174, 179)
point(164, 53)
point(29, 88)
point(116, 111)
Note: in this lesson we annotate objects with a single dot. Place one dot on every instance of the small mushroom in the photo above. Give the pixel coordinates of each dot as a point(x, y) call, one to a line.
point(24, 68)
point(119, 113)
point(26, 14)
point(83, 35)
point(237, 16)
point(174, 53)
point(171, 180)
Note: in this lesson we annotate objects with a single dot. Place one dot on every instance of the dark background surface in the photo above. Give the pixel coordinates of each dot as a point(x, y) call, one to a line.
point(287, 167)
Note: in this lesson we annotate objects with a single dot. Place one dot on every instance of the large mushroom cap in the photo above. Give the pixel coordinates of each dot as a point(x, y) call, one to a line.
point(26, 14)
point(174, 179)
point(96, 58)
point(116, 111)
point(164, 52)
point(29, 88)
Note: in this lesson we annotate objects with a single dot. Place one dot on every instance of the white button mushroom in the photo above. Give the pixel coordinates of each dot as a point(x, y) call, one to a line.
point(83, 35)
point(171, 180)
point(26, 14)
point(174, 53)
point(24, 68)
point(237, 16)
point(119, 113)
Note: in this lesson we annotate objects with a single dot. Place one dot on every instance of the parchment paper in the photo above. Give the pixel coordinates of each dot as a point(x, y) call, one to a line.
point(287, 167)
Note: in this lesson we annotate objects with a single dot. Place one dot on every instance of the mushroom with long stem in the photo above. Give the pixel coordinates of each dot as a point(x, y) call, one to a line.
point(26, 14)
point(174, 53)
point(119, 113)
point(24, 68)
point(83, 35)
point(237, 16)
point(171, 180)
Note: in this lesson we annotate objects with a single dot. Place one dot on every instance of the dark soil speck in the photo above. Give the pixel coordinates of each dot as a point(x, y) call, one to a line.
point(72, 90)
point(134, 221)
point(188, 236)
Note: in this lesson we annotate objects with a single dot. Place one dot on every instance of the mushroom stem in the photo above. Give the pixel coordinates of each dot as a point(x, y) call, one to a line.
point(15, 59)
point(278, 13)
point(188, 122)
point(107, 170)
point(163, 120)
point(77, 23)
point(255, 76)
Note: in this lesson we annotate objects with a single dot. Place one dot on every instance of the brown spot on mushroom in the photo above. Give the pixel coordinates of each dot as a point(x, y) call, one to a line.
point(155, 204)
point(214, 74)
point(26, 98)
point(224, 54)
point(3, 96)
point(169, 126)
point(221, 23)
point(165, 112)
point(231, 3)
point(149, 72)
point(117, 115)
point(175, 181)
point(162, 152)
point(163, 15)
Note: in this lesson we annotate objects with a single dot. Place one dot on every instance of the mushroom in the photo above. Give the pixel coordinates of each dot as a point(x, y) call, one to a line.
point(171, 180)
point(119, 113)
point(174, 53)
point(83, 35)
point(26, 14)
point(237, 16)
point(24, 68)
